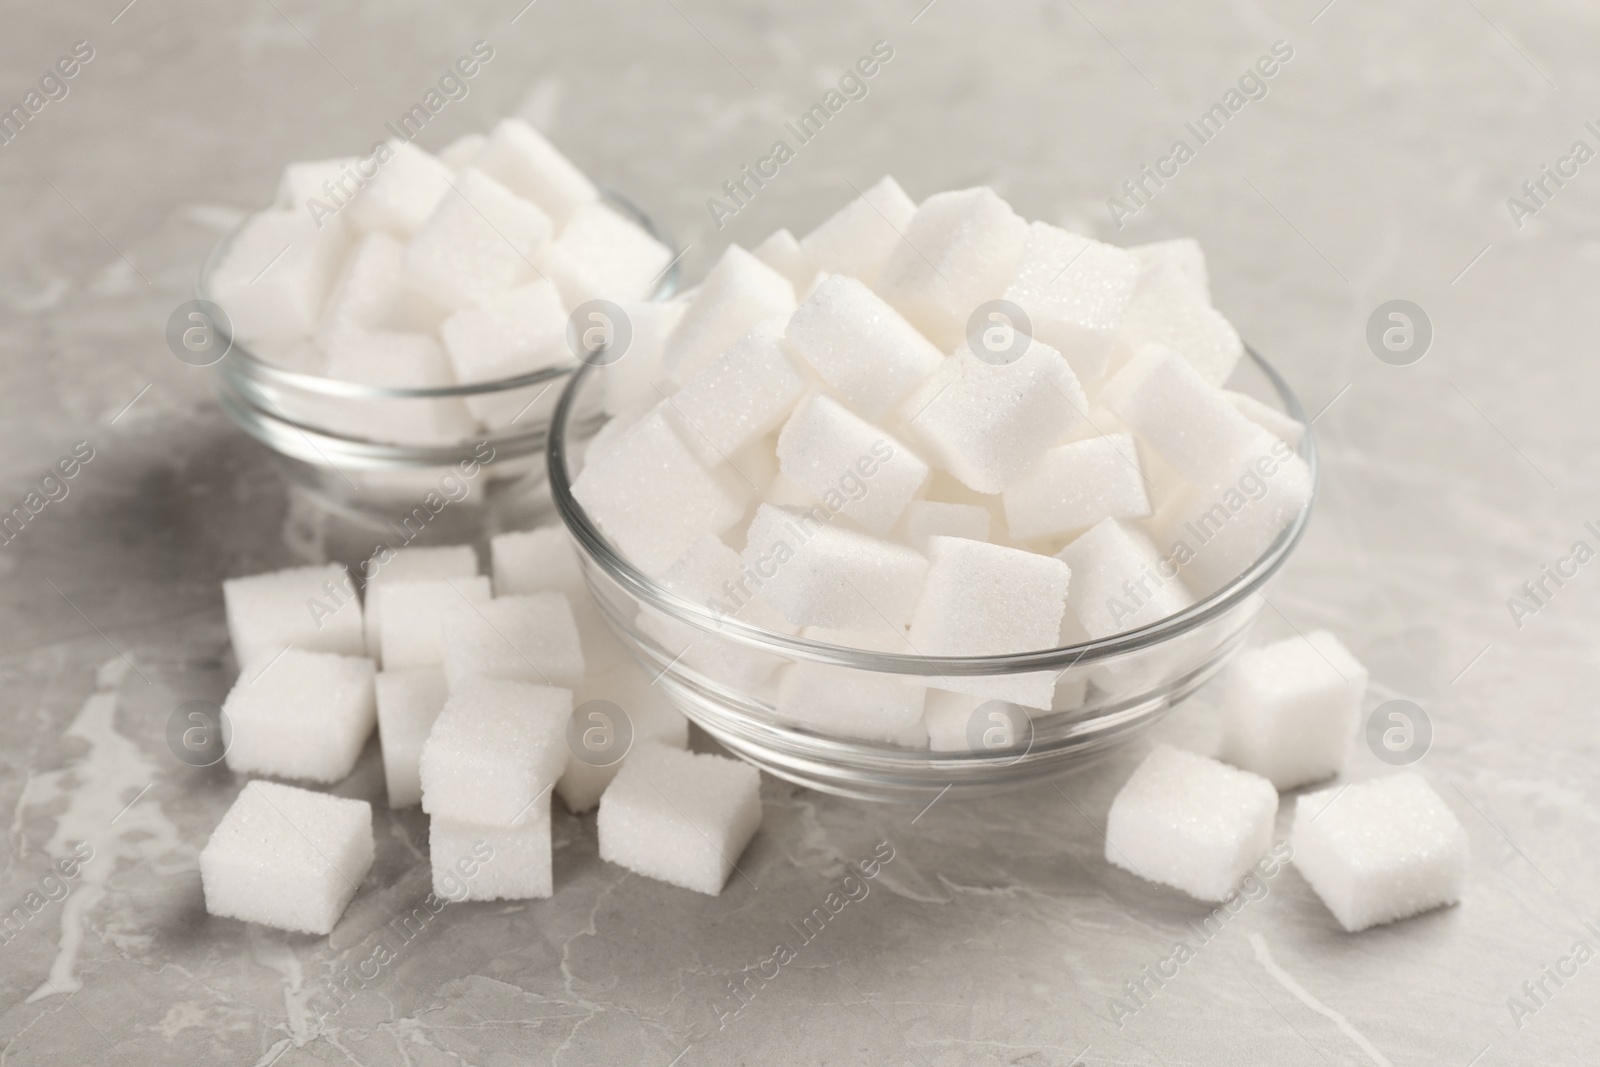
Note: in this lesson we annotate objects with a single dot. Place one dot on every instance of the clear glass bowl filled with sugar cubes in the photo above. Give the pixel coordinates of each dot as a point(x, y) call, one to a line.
point(900, 726)
point(402, 348)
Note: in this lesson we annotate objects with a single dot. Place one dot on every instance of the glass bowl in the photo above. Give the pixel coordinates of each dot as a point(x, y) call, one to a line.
point(1109, 690)
point(321, 432)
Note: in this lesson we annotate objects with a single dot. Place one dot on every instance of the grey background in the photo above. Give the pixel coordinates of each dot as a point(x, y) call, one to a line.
point(1377, 168)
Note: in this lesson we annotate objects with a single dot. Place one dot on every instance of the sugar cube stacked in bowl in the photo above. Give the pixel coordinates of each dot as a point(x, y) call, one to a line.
point(933, 498)
point(394, 316)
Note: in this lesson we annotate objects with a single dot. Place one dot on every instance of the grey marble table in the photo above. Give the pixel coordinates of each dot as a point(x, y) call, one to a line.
point(1380, 164)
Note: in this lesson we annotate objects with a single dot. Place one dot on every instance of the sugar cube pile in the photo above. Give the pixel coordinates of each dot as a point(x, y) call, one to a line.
point(489, 695)
point(937, 429)
point(431, 271)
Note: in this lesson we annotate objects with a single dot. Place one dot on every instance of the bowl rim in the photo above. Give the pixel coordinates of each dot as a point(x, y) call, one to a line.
point(622, 571)
point(240, 363)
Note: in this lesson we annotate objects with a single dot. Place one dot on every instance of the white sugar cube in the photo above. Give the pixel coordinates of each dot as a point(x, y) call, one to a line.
point(529, 638)
point(680, 817)
point(988, 423)
point(1074, 291)
point(391, 566)
point(512, 333)
point(1279, 424)
point(408, 703)
point(409, 614)
point(1291, 709)
point(948, 718)
point(926, 519)
point(1191, 823)
point(1196, 331)
point(652, 498)
point(741, 395)
point(651, 718)
point(600, 254)
point(739, 292)
point(783, 253)
point(712, 575)
point(535, 561)
point(858, 238)
point(1076, 485)
point(389, 358)
point(474, 862)
point(840, 702)
point(630, 381)
point(496, 748)
point(859, 345)
point(1380, 850)
point(1222, 529)
point(1164, 400)
point(848, 463)
point(404, 192)
point(302, 715)
point(1174, 267)
point(318, 179)
point(960, 250)
point(533, 168)
point(313, 608)
point(1120, 581)
point(479, 242)
point(463, 151)
point(818, 574)
point(275, 274)
point(374, 292)
point(287, 858)
point(988, 600)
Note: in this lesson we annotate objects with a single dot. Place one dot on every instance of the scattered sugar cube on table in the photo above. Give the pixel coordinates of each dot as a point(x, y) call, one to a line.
point(1191, 823)
point(982, 599)
point(408, 703)
point(312, 608)
point(300, 715)
point(287, 858)
point(494, 749)
point(536, 561)
point(411, 563)
point(410, 616)
point(530, 638)
point(1380, 850)
point(680, 817)
point(651, 719)
point(475, 862)
point(1291, 709)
